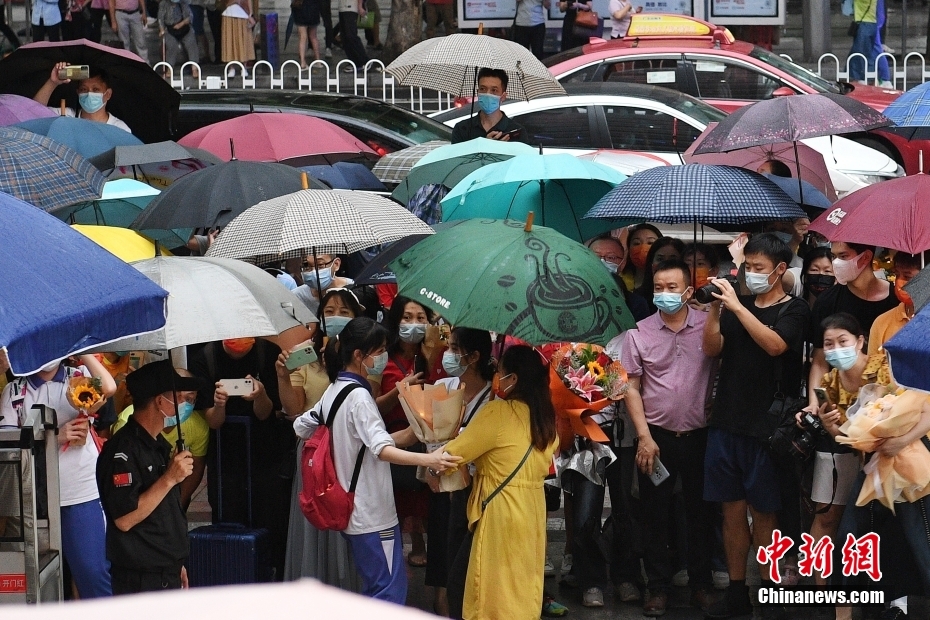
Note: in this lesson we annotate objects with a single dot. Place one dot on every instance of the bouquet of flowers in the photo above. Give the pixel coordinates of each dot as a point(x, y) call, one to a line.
point(86, 395)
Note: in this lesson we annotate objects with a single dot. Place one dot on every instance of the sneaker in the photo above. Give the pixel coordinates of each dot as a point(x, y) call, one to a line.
point(593, 597)
point(553, 609)
point(628, 592)
point(680, 579)
point(347, 69)
point(701, 598)
point(887, 50)
point(328, 53)
point(548, 568)
point(230, 73)
point(721, 579)
point(656, 605)
point(887, 84)
point(566, 563)
point(245, 73)
point(732, 605)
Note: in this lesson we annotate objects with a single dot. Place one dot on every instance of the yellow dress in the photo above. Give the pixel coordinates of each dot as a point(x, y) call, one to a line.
point(505, 569)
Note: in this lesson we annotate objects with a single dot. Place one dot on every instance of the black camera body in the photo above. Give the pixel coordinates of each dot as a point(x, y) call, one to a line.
point(798, 444)
point(704, 294)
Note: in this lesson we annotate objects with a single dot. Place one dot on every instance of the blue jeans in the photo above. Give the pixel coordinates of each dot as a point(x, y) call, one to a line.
point(84, 544)
point(869, 45)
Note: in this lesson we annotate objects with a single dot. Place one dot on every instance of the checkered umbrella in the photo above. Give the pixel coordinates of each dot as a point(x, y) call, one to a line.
point(394, 167)
point(43, 172)
point(697, 193)
point(449, 64)
point(911, 109)
point(312, 220)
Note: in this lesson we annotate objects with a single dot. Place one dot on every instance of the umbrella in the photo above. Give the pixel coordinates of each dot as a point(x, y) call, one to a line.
point(16, 109)
point(813, 197)
point(346, 175)
point(324, 221)
point(43, 172)
point(63, 294)
point(697, 193)
point(893, 214)
point(909, 353)
point(394, 167)
point(377, 270)
point(919, 289)
point(141, 97)
point(212, 299)
point(142, 154)
point(88, 138)
point(560, 189)
point(450, 164)
point(529, 282)
point(296, 139)
point(450, 64)
point(912, 108)
point(214, 196)
point(128, 245)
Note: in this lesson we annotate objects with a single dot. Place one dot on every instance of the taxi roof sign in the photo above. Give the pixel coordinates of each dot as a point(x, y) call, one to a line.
point(663, 25)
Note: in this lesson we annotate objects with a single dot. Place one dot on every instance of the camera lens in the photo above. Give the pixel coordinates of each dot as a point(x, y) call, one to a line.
point(704, 294)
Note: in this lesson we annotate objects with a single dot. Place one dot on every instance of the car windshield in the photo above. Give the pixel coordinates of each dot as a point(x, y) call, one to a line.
point(796, 71)
point(698, 110)
point(408, 124)
point(555, 59)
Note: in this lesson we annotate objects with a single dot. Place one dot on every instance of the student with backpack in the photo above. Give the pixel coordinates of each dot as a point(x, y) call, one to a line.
point(353, 450)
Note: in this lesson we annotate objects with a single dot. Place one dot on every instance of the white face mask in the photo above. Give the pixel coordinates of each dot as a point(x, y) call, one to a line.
point(758, 283)
point(847, 270)
point(611, 267)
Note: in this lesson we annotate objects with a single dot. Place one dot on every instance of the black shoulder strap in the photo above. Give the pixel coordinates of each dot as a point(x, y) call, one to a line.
point(478, 402)
point(337, 403)
point(779, 367)
point(485, 503)
point(209, 354)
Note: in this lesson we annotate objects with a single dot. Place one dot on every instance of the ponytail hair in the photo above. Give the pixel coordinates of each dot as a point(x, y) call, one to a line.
point(361, 334)
point(532, 388)
point(470, 340)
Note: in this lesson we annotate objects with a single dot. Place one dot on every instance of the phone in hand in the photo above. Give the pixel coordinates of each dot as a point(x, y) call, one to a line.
point(513, 133)
point(659, 472)
point(237, 387)
point(821, 395)
point(74, 72)
point(300, 357)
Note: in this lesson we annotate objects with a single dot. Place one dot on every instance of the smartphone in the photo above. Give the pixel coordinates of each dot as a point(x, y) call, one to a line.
point(659, 473)
point(513, 133)
point(237, 387)
point(300, 357)
point(821, 395)
point(74, 72)
point(135, 360)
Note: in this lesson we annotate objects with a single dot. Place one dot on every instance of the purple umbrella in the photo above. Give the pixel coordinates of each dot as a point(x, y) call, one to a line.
point(16, 109)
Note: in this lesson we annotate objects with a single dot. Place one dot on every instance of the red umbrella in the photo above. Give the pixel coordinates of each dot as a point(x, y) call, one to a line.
point(294, 139)
point(892, 214)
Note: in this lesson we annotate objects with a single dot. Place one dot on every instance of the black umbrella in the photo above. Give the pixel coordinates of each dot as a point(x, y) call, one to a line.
point(143, 154)
point(141, 98)
point(377, 270)
point(214, 196)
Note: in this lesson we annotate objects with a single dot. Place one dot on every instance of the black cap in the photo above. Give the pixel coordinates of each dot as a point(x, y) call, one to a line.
point(157, 378)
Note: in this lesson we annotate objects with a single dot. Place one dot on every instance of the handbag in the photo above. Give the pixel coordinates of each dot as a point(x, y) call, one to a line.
point(367, 22)
point(179, 33)
point(586, 24)
point(853, 29)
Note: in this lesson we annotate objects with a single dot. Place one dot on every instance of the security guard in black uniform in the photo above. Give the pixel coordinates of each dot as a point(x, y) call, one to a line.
point(138, 482)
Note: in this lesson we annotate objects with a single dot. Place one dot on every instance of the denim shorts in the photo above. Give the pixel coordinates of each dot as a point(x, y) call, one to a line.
point(738, 467)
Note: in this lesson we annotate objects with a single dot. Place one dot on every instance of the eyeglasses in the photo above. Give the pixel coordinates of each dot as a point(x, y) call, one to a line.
point(611, 257)
point(308, 266)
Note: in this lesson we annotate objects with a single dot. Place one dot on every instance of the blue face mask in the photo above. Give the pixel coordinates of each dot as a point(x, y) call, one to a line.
point(489, 103)
point(452, 364)
point(669, 303)
point(379, 364)
point(335, 324)
point(842, 358)
point(90, 102)
point(185, 410)
point(325, 278)
point(412, 332)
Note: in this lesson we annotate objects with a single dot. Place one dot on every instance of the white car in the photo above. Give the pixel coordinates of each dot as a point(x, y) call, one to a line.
point(660, 123)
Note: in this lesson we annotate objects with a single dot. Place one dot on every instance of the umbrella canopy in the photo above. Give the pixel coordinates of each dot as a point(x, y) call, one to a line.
point(450, 164)
point(16, 109)
point(394, 167)
point(88, 138)
point(130, 155)
point(912, 108)
point(214, 196)
point(61, 293)
point(697, 193)
point(450, 64)
point(128, 245)
point(893, 214)
point(43, 172)
point(327, 221)
point(788, 119)
point(296, 139)
point(919, 289)
point(141, 97)
point(212, 299)
point(346, 175)
point(909, 353)
point(559, 189)
point(812, 197)
point(536, 285)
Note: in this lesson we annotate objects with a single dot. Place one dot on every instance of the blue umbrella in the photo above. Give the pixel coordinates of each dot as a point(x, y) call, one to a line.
point(813, 197)
point(61, 293)
point(88, 138)
point(909, 353)
point(912, 108)
point(697, 193)
point(346, 175)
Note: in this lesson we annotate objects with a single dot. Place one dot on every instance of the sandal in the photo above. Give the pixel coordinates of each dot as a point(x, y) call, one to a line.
point(416, 560)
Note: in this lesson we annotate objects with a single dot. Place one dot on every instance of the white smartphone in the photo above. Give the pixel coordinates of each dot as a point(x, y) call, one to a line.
point(659, 473)
point(237, 387)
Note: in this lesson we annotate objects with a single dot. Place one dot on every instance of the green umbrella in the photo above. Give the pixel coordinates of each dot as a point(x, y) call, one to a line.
point(448, 165)
point(560, 189)
point(525, 281)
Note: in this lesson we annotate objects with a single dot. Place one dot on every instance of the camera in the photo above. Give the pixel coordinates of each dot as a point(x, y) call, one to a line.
point(797, 444)
point(813, 424)
point(704, 294)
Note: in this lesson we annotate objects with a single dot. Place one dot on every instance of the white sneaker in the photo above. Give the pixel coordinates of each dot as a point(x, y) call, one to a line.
point(593, 597)
point(680, 579)
point(328, 53)
point(230, 73)
point(549, 568)
point(887, 50)
point(567, 563)
point(245, 73)
point(887, 84)
point(721, 580)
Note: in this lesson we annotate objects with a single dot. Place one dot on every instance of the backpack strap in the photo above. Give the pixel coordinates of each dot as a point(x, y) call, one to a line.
point(337, 403)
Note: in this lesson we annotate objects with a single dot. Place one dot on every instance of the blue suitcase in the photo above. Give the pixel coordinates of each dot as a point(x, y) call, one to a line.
point(230, 553)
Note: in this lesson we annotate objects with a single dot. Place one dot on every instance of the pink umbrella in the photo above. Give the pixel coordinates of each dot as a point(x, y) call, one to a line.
point(813, 168)
point(15, 109)
point(294, 139)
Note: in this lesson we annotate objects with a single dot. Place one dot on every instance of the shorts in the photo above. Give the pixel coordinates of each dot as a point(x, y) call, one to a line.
point(738, 467)
point(847, 468)
point(308, 14)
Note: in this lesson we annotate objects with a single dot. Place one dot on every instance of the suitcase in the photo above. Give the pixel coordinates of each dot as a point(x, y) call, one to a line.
point(230, 553)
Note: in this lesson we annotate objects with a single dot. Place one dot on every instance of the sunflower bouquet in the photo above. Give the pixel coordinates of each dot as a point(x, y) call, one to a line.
point(86, 395)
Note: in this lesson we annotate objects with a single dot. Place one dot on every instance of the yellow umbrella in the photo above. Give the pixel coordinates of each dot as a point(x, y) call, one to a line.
point(124, 243)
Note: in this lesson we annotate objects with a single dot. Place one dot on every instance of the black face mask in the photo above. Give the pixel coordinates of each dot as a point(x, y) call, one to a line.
point(818, 283)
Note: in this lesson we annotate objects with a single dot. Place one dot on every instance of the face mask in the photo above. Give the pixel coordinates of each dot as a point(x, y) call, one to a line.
point(489, 103)
point(238, 346)
point(452, 364)
point(638, 255)
point(847, 270)
point(611, 267)
point(758, 283)
point(817, 283)
point(380, 363)
point(669, 303)
point(185, 410)
point(901, 294)
point(325, 278)
point(496, 386)
point(701, 276)
point(90, 102)
point(335, 324)
point(412, 332)
point(842, 358)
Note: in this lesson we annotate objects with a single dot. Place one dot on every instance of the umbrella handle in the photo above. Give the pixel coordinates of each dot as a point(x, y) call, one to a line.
point(529, 221)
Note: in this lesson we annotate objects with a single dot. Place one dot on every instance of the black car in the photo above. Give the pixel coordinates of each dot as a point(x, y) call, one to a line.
point(382, 126)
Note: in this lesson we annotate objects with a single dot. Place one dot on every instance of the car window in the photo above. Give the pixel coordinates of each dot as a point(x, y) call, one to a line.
point(567, 127)
point(584, 74)
point(411, 125)
point(652, 71)
point(798, 72)
point(641, 129)
point(722, 79)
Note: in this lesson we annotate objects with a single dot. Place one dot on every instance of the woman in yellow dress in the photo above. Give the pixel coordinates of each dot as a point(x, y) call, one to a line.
point(504, 577)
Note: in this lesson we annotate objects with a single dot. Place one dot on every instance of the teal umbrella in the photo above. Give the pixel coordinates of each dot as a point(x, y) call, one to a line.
point(122, 202)
point(560, 189)
point(448, 165)
point(517, 279)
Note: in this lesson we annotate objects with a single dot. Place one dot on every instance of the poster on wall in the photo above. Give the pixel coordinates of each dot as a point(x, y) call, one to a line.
point(748, 12)
point(491, 13)
point(675, 7)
